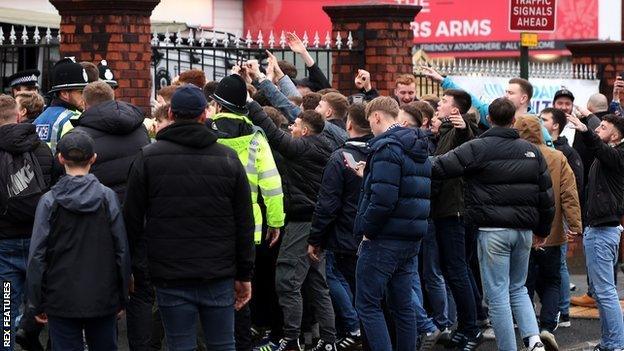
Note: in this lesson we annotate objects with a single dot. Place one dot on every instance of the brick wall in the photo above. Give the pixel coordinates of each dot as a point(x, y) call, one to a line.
point(117, 31)
point(382, 41)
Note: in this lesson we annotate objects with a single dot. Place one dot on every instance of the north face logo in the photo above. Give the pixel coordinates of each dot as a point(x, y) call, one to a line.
point(530, 154)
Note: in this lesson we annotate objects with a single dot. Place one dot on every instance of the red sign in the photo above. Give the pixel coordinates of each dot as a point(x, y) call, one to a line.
point(532, 15)
point(442, 28)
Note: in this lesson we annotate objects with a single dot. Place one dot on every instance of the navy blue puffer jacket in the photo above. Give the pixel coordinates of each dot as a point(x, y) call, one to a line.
point(394, 203)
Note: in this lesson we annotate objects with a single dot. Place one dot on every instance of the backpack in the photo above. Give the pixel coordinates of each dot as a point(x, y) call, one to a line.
point(21, 186)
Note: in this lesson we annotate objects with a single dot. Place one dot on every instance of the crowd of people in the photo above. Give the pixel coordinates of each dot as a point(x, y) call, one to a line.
point(268, 212)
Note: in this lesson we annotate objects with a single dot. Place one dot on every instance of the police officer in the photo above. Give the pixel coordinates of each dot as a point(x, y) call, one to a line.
point(27, 80)
point(69, 80)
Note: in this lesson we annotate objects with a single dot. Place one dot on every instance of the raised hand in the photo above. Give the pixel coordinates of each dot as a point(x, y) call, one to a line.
point(294, 43)
point(576, 123)
point(362, 80)
point(458, 121)
point(277, 73)
point(432, 73)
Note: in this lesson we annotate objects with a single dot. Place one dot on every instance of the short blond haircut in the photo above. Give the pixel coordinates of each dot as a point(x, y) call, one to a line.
point(338, 103)
point(160, 114)
point(8, 108)
point(385, 104)
point(405, 79)
point(167, 92)
point(97, 92)
point(32, 102)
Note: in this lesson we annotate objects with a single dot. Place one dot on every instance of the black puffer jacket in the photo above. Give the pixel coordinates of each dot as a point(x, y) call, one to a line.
point(447, 196)
point(507, 184)
point(304, 161)
point(334, 215)
point(189, 197)
point(605, 184)
point(18, 139)
point(118, 131)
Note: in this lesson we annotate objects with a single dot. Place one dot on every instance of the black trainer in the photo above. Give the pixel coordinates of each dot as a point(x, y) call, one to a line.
point(324, 346)
point(471, 344)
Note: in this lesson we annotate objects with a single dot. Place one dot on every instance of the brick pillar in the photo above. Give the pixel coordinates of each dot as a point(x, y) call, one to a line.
point(383, 33)
point(117, 31)
point(606, 55)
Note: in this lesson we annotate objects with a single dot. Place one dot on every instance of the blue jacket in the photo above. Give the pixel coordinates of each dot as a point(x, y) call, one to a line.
point(394, 203)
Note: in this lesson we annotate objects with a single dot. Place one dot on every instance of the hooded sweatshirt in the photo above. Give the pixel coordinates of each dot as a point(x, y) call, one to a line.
point(567, 205)
point(79, 264)
point(17, 139)
point(118, 131)
point(394, 203)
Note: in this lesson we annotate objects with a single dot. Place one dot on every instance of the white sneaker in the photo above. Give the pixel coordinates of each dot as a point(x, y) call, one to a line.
point(488, 334)
point(537, 347)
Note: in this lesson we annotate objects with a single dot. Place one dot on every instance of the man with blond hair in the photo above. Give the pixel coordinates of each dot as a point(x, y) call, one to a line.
point(392, 219)
point(29, 105)
point(405, 89)
point(333, 106)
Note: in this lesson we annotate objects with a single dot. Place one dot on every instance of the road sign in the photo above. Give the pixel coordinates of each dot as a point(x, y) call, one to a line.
point(532, 15)
point(528, 39)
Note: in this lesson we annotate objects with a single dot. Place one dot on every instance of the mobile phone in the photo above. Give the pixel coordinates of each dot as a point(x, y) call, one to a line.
point(357, 99)
point(350, 160)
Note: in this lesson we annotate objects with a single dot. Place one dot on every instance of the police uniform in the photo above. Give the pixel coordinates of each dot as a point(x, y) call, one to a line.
point(107, 75)
point(254, 153)
point(28, 78)
point(68, 75)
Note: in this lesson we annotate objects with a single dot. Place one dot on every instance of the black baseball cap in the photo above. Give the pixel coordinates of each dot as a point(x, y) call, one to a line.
point(188, 101)
point(563, 93)
point(76, 146)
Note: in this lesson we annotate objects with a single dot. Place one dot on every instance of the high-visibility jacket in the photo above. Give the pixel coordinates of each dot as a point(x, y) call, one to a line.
point(67, 127)
point(255, 154)
point(51, 122)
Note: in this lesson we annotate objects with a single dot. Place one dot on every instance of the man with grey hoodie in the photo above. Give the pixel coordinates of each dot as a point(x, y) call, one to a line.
point(79, 263)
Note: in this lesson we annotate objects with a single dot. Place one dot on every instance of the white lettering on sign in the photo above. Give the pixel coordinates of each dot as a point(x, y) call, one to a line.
point(532, 11)
point(453, 28)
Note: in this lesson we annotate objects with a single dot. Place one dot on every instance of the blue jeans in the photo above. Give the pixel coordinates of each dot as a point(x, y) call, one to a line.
point(564, 301)
point(504, 262)
point(341, 295)
point(387, 267)
point(212, 302)
point(100, 333)
point(451, 236)
point(601, 246)
point(424, 324)
point(13, 262)
point(437, 291)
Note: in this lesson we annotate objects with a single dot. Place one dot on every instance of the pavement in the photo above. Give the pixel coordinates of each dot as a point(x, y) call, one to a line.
point(583, 335)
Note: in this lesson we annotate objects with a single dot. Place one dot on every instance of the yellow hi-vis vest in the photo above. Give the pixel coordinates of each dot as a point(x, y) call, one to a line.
point(255, 154)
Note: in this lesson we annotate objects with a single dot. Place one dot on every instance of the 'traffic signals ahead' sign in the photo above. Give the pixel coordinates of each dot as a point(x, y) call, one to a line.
point(532, 15)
